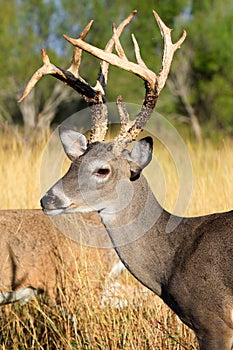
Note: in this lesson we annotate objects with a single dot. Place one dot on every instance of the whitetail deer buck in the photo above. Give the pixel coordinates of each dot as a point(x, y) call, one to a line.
point(191, 267)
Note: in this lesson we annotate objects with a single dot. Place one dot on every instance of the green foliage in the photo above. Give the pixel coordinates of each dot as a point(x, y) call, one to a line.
point(211, 35)
point(27, 26)
point(22, 34)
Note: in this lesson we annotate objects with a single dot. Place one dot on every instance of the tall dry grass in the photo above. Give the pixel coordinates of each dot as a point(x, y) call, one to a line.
point(20, 170)
point(145, 325)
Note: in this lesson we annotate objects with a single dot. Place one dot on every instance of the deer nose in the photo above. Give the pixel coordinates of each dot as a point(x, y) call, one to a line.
point(48, 201)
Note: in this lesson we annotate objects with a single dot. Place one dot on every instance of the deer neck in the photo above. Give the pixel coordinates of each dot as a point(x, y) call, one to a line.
point(138, 233)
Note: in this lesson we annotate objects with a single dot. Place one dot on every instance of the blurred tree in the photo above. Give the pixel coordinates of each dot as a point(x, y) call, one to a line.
point(203, 92)
point(180, 85)
point(26, 27)
point(210, 34)
point(29, 25)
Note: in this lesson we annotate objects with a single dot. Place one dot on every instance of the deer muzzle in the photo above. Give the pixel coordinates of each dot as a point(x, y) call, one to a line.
point(51, 204)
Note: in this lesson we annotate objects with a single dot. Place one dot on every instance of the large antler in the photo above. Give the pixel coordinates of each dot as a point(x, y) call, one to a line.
point(153, 83)
point(95, 96)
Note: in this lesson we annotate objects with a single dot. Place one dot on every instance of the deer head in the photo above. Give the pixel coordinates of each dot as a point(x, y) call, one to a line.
point(99, 169)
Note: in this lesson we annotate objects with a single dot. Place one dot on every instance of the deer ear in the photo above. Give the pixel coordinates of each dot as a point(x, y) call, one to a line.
point(73, 142)
point(140, 156)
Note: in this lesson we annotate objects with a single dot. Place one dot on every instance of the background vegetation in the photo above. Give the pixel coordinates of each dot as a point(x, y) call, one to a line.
point(146, 323)
point(199, 90)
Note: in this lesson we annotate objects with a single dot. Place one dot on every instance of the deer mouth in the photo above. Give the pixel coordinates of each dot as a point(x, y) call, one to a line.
point(53, 212)
point(72, 208)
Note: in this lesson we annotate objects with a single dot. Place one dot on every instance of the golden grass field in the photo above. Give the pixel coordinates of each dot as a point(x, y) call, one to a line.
point(146, 325)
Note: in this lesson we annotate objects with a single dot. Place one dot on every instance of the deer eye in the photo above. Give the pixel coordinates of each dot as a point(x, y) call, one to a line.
point(102, 172)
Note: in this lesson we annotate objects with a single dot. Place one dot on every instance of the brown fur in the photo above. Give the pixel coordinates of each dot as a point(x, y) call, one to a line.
point(33, 252)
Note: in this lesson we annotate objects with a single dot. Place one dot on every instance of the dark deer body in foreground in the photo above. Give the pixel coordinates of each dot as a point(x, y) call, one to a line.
point(189, 267)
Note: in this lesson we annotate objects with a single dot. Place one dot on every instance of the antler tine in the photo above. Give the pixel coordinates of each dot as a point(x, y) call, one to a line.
point(137, 52)
point(169, 50)
point(100, 115)
point(124, 116)
point(99, 112)
point(118, 47)
point(76, 60)
point(69, 77)
point(152, 92)
point(104, 65)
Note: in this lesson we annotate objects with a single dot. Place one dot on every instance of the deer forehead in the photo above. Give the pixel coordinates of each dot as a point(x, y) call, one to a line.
point(91, 165)
point(100, 155)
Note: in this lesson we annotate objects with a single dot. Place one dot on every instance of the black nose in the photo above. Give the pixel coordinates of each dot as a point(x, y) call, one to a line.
point(48, 201)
